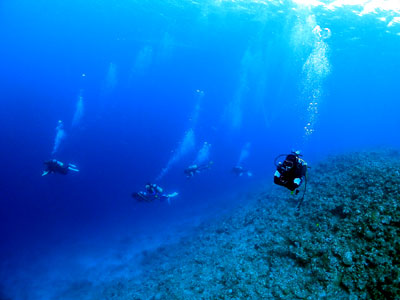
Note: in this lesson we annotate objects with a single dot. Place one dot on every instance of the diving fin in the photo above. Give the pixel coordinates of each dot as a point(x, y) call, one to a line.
point(171, 196)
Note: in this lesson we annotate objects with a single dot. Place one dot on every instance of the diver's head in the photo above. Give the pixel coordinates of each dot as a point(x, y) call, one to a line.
point(296, 152)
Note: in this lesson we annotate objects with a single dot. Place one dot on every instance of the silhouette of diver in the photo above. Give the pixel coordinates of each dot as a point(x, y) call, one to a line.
point(240, 171)
point(292, 172)
point(153, 192)
point(55, 166)
point(196, 169)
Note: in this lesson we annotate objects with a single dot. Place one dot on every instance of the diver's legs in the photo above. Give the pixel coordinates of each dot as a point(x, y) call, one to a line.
point(45, 173)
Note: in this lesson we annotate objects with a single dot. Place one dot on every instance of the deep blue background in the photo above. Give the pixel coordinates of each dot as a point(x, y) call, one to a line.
point(128, 132)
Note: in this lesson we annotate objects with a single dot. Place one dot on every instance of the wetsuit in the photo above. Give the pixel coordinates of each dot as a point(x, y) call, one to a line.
point(55, 166)
point(194, 169)
point(291, 172)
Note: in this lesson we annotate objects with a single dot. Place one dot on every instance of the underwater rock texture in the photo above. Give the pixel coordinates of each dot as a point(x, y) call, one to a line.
point(343, 243)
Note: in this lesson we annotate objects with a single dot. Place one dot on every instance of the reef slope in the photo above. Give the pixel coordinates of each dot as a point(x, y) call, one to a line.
point(343, 243)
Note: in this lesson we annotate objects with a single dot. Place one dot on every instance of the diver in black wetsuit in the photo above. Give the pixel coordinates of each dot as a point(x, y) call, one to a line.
point(55, 166)
point(196, 169)
point(292, 172)
point(240, 171)
point(153, 189)
point(153, 192)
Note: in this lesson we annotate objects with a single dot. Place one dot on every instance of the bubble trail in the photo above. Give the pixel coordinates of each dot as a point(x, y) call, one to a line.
point(315, 70)
point(244, 154)
point(203, 155)
point(189, 141)
point(78, 112)
point(60, 136)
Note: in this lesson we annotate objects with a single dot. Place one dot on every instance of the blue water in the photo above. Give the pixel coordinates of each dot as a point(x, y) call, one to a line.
point(130, 79)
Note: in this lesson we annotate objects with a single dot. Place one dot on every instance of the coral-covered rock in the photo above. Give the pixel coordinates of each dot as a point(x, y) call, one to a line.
point(342, 243)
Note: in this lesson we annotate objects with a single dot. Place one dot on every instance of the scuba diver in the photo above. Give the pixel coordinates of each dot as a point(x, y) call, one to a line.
point(153, 189)
point(291, 173)
point(153, 192)
point(55, 166)
point(240, 171)
point(196, 169)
